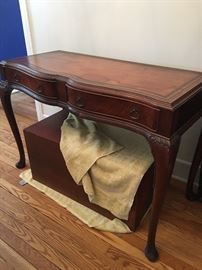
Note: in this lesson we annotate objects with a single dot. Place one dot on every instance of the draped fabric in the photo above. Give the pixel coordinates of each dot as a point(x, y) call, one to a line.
point(110, 173)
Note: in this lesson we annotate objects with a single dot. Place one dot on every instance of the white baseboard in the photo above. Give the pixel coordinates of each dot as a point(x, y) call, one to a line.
point(181, 170)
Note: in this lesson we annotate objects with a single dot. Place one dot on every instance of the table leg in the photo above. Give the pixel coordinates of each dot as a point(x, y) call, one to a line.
point(190, 194)
point(200, 186)
point(164, 152)
point(5, 95)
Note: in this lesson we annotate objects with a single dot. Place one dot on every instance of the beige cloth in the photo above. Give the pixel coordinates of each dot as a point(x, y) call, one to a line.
point(109, 173)
point(88, 216)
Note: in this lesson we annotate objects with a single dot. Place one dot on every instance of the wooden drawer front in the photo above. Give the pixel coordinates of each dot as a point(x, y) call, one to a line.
point(41, 87)
point(121, 109)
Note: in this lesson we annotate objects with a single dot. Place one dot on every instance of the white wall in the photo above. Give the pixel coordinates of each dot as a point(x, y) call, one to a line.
point(167, 33)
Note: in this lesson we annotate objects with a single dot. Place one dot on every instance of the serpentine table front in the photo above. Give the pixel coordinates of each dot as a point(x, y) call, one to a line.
point(159, 103)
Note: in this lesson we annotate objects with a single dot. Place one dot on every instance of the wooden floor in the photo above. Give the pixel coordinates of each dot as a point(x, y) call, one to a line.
point(36, 233)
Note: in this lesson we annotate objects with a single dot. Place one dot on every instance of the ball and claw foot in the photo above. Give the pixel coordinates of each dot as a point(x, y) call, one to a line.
point(151, 253)
point(20, 164)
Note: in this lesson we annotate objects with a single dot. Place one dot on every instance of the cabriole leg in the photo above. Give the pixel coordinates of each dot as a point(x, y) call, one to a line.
point(5, 95)
point(164, 152)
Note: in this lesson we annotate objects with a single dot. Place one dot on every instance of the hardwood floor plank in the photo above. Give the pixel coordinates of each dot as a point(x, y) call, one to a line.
point(57, 213)
point(9, 154)
point(37, 252)
point(4, 265)
point(79, 245)
point(12, 260)
point(39, 201)
point(7, 169)
point(179, 232)
point(168, 257)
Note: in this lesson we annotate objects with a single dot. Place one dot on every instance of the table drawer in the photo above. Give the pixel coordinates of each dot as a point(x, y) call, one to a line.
point(41, 87)
point(119, 108)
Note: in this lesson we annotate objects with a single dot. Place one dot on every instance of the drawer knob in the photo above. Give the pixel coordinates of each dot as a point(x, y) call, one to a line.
point(80, 102)
point(134, 113)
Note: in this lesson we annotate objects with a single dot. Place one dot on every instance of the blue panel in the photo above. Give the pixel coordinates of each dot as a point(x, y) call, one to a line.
point(12, 41)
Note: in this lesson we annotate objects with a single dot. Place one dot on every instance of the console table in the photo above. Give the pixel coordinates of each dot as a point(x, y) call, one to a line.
point(159, 103)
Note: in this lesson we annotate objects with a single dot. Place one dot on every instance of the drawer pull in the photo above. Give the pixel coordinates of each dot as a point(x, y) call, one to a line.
point(134, 113)
point(80, 102)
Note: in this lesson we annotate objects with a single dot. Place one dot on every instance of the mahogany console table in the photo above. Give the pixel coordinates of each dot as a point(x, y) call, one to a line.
point(159, 103)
